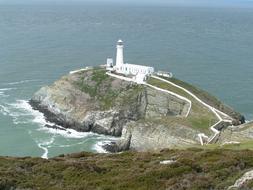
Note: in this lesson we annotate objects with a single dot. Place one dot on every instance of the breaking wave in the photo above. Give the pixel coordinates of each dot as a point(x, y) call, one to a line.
point(3, 92)
point(98, 147)
point(22, 112)
point(19, 82)
point(6, 89)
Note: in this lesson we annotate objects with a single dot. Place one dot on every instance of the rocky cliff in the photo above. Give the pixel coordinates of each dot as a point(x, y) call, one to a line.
point(145, 118)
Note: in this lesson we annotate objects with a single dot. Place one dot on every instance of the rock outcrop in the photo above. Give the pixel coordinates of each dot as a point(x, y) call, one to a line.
point(242, 133)
point(146, 119)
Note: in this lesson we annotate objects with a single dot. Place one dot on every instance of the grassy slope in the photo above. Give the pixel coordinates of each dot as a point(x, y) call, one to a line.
point(207, 98)
point(99, 88)
point(203, 95)
point(200, 117)
point(98, 78)
point(194, 169)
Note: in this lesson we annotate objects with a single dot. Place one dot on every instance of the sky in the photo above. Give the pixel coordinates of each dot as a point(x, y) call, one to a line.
point(244, 3)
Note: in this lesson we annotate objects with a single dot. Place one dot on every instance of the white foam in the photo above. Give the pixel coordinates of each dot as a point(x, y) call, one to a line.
point(20, 82)
point(67, 133)
point(4, 110)
point(23, 108)
point(67, 145)
point(6, 89)
point(22, 112)
point(98, 147)
point(2, 94)
point(44, 146)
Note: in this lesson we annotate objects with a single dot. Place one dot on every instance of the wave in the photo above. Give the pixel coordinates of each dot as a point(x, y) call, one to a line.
point(20, 82)
point(67, 133)
point(22, 108)
point(44, 146)
point(23, 113)
point(98, 147)
point(69, 145)
point(7, 89)
point(2, 94)
point(4, 110)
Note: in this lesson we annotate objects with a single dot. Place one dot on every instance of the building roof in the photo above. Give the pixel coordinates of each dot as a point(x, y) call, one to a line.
point(120, 42)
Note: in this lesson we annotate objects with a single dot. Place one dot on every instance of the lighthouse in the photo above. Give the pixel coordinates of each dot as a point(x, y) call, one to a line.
point(120, 55)
point(138, 73)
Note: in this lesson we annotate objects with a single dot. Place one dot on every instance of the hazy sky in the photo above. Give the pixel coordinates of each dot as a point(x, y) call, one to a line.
point(146, 2)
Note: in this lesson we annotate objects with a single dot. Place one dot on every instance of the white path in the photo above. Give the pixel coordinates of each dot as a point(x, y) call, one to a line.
point(154, 87)
point(173, 94)
point(120, 77)
point(217, 112)
point(214, 110)
point(79, 70)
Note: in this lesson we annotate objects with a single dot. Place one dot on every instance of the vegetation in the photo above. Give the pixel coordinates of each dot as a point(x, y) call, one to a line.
point(240, 146)
point(193, 169)
point(98, 76)
point(99, 80)
point(99, 86)
point(200, 117)
point(203, 95)
point(207, 98)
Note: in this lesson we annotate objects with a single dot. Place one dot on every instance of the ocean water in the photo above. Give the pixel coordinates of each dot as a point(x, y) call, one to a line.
point(208, 47)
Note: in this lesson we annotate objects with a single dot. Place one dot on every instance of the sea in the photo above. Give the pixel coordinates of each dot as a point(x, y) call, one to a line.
point(210, 47)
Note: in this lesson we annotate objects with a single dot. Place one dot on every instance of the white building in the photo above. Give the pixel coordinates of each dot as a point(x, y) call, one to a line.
point(139, 72)
point(165, 74)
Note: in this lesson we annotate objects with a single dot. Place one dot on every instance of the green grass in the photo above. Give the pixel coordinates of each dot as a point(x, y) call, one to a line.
point(207, 98)
point(203, 95)
point(241, 146)
point(244, 145)
point(99, 75)
point(93, 88)
point(200, 117)
point(98, 85)
point(194, 169)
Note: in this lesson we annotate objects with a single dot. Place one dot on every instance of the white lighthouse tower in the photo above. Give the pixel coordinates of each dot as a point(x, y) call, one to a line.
point(138, 73)
point(120, 55)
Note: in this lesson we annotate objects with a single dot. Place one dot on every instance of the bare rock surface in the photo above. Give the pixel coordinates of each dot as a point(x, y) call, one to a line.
point(240, 133)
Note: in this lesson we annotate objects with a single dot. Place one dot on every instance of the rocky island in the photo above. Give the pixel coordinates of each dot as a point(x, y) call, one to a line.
point(143, 116)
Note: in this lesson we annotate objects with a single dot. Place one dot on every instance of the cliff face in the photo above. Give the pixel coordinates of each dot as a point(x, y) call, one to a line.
point(83, 102)
point(242, 134)
point(146, 119)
